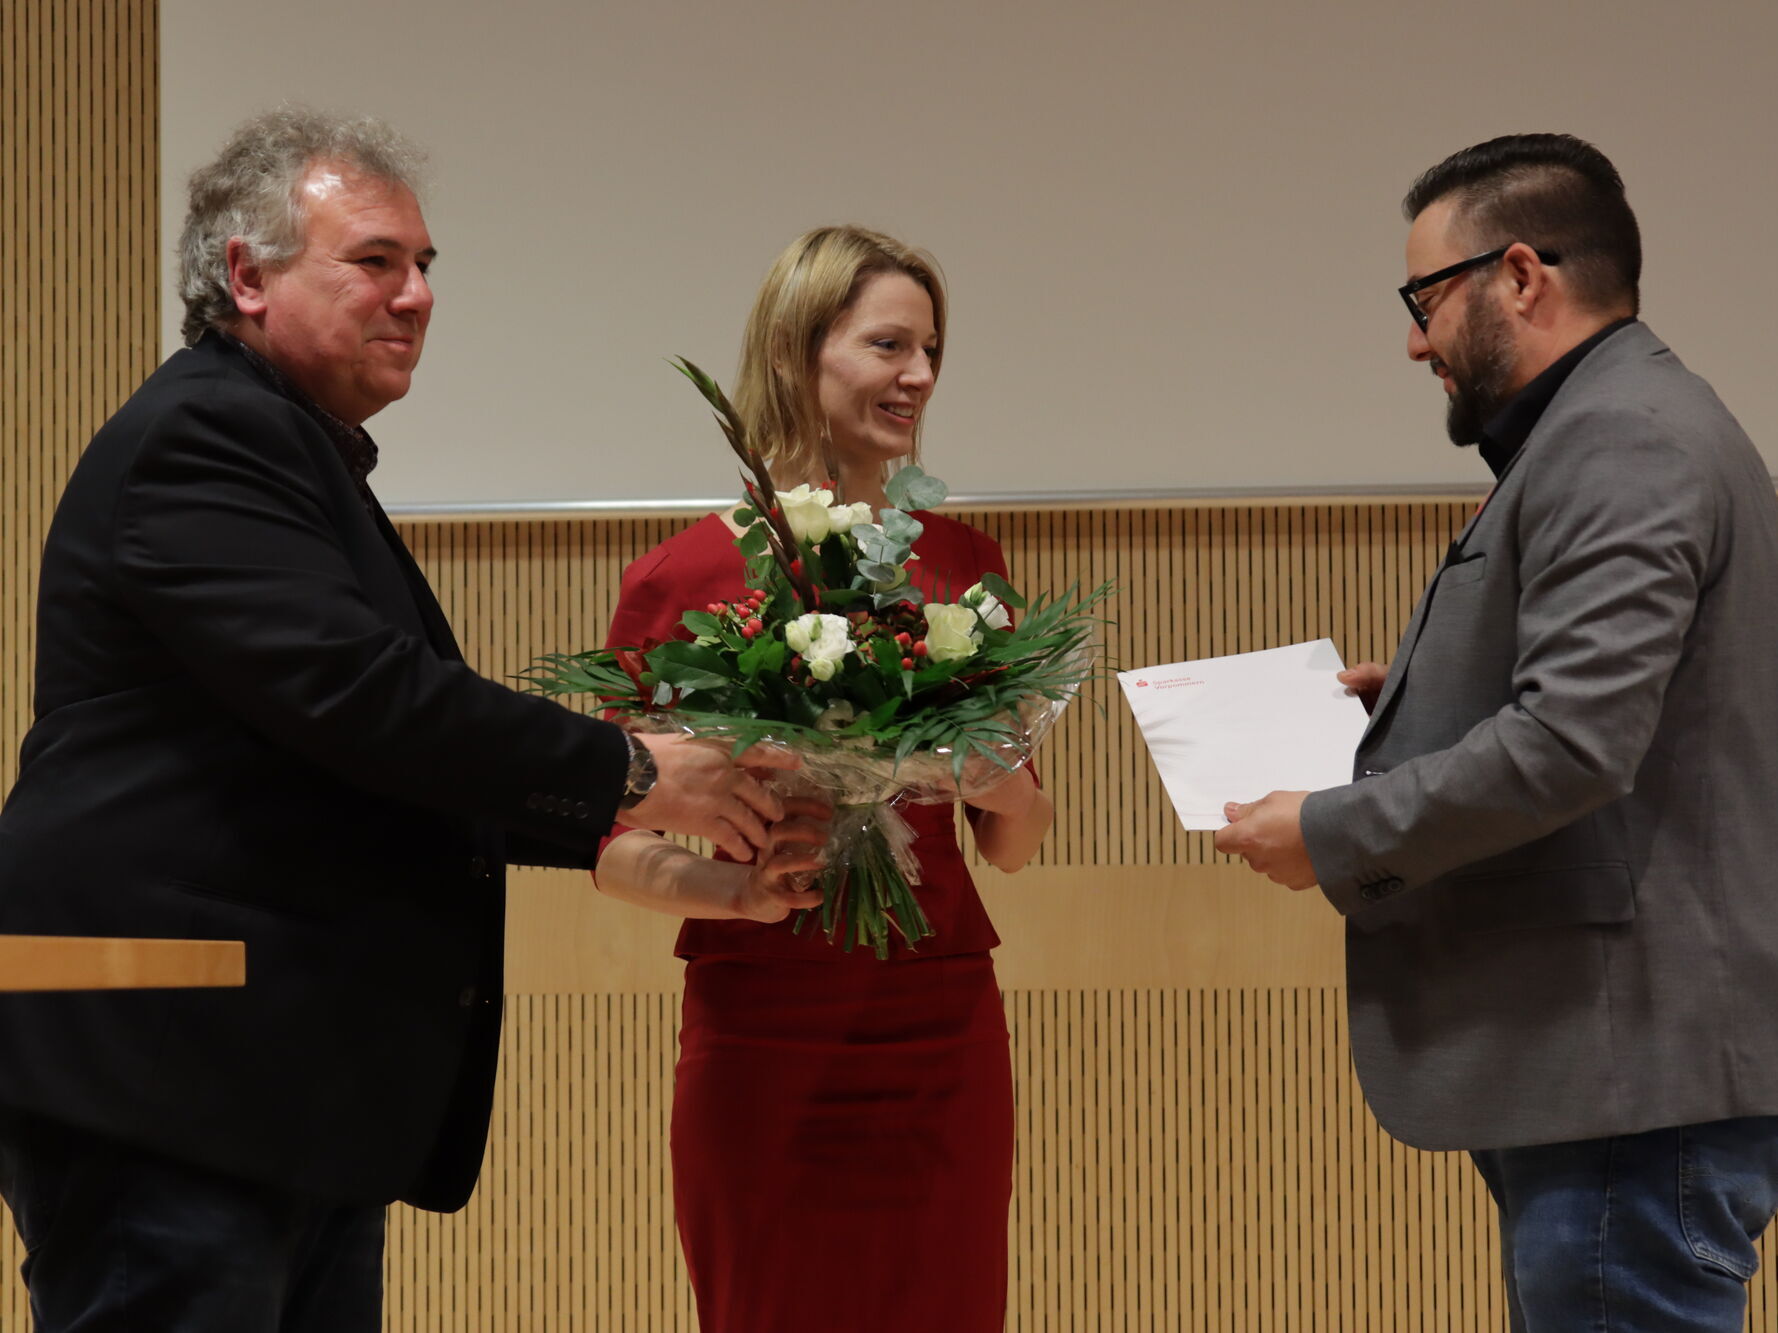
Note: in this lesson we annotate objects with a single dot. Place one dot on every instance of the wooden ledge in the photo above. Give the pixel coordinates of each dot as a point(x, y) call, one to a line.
point(65, 962)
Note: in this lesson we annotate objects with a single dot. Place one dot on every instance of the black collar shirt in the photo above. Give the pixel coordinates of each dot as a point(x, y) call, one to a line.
point(1509, 428)
point(357, 450)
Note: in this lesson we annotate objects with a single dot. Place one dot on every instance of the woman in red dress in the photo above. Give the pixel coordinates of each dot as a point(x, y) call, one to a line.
point(842, 1126)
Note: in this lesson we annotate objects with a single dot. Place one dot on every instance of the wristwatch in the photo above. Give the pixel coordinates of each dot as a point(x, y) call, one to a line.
point(640, 777)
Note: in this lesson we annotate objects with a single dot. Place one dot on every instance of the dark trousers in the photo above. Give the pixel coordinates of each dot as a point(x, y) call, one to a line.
point(121, 1241)
point(1644, 1233)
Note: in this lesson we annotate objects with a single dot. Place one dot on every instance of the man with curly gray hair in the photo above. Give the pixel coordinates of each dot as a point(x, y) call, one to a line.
point(252, 723)
point(251, 192)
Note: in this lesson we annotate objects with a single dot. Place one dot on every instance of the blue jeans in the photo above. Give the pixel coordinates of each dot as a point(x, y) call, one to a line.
point(121, 1241)
point(1644, 1233)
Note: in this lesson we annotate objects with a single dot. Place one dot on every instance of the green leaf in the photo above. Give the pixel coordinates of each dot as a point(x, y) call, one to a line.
point(762, 654)
point(689, 654)
point(692, 678)
point(877, 572)
point(1003, 590)
point(875, 720)
point(911, 488)
point(753, 542)
point(906, 593)
point(836, 563)
point(702, 623)
point(900, 527)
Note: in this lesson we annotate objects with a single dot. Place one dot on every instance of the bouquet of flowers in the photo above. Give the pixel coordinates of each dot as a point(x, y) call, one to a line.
point(887, 698)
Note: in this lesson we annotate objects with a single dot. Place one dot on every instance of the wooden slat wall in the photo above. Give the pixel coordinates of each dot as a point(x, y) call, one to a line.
point(79, 303)
point(1193, 1153)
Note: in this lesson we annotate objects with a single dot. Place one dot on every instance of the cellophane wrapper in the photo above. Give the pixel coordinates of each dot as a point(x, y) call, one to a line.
point(870, 872)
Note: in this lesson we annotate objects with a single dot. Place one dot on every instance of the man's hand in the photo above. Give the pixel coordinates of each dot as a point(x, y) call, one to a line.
point(768, 890)
point(1268, 835)
point(1365, 679)
point(701, 792)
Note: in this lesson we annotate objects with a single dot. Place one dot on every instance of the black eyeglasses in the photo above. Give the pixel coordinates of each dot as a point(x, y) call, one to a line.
point(1410, 294)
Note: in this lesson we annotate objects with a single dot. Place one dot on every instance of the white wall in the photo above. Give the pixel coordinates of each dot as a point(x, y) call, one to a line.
point(1171, 230)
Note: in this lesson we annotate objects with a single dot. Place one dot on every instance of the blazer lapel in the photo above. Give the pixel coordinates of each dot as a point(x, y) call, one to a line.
point(432, 616)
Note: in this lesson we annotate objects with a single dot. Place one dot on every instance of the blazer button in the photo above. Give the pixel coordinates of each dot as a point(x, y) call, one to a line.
point(534, 801)
point(582, 811)
point(466, 997)
point(478, 866)
point(1381, 888)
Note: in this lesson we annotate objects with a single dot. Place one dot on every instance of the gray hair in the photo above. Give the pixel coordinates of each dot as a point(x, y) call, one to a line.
point(252, 190)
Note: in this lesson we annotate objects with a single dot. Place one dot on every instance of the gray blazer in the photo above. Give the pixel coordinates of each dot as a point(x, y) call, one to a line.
point(1557, 861)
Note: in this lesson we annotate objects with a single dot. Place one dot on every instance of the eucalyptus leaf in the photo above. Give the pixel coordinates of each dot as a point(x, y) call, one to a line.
point(911, 488)
point(902, 527)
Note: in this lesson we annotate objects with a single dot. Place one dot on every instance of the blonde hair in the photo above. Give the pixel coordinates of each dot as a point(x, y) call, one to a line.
point(809, 286)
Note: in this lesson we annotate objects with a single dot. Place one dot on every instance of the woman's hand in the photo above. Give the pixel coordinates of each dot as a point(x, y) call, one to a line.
point(767, 890)
point(1011, 794)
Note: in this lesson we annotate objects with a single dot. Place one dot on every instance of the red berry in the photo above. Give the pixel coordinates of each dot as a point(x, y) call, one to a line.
point(712, 608)
point(907, 664)
point(904, 638)
point(795, 661)
point(920, 648)
point(754, 626)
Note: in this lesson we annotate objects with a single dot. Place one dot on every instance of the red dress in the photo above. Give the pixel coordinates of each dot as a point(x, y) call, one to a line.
point(842, 1127)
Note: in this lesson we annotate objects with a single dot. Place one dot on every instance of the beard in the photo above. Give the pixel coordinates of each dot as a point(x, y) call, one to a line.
point(1481, 367)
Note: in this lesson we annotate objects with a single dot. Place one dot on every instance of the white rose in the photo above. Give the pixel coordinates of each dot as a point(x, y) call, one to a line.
point(822, 668)
point(847, 517)
point(950, 633)
point(801, 632)
point(819, 638)
point(987, 606)
point(808, 510)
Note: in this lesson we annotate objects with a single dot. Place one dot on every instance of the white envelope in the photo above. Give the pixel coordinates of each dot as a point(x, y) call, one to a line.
point(1234, 728)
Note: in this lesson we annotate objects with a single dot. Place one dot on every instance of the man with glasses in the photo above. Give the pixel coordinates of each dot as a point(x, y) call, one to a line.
point(1556, 861)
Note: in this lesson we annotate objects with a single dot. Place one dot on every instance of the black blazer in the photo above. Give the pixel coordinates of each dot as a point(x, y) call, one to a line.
point(252, 723)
